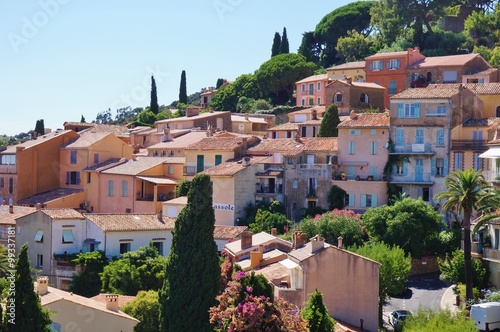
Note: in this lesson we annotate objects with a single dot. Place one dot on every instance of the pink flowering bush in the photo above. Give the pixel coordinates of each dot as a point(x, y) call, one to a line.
point(253, 313)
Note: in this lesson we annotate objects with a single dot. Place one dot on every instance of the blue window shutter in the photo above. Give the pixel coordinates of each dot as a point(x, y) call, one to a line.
point(77, 177)
point(363, 200)
point(433, 166)
point(445, 166)
point(405, 168)
point(374, 200)
point(373, 171)
point(387, 64)
point(417, 110)
point(371, 65)
point(400, 110)
point(351, 199)
point(398, 64)
point(393, 169)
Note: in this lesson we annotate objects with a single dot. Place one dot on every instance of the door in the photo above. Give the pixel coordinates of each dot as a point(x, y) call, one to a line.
point(419, 139)
point(419, 170)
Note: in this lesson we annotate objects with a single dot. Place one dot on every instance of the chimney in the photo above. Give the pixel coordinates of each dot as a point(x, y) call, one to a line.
point(134, 157)
point(299, 240)
point(211, 109)
point(314, 114)
point(112, 302)
point(256, 257)
point(246, 116)
point(317, 243)
point(159, 214)
point(166, 134)
point(192, 111)
point(38, 206)
point(348, 79)
point(274, 231)
point(246, 240)
point(353, 114)
point(42, 284)
point(11, 209)
point(340, 242)
point(246, 161)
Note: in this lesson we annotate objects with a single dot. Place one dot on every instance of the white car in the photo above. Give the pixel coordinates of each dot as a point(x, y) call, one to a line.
point(397, 318)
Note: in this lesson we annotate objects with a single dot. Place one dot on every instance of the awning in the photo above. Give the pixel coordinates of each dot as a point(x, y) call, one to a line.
point(492, 153)
point(91, 241)
point(157, 180)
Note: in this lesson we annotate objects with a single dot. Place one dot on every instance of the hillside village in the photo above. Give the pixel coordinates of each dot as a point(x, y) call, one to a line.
point(406, 121)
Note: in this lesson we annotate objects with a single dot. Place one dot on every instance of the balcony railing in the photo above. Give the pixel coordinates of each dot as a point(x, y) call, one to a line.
point(492, 176)
point(412, 178)
point(490, 253)
point(412, 149)
point(461, 144)
point(193, 170)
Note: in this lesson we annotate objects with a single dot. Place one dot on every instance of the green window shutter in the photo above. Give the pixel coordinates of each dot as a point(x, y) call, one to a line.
point(445, 166)
point(371, 65)
point(405, 168)
point(218, 159)
point(363, 200)
point(351, 199)
point(433, 166)
point(374, 200)
point(373, 171)
point(417, 111)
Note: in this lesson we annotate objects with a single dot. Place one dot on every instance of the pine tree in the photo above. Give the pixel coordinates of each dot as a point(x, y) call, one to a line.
point(153, 106)
point(276, 44)
point(183, 89)
point(29, 315)
point(329, 123)
point(82, 120)
point(284, 46)
point(192, 275)
point(316, 314)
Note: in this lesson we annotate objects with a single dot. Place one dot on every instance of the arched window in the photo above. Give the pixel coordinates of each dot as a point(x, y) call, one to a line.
point(337, 98)
point(363, 98)
point(498, 112)
point(429, 77)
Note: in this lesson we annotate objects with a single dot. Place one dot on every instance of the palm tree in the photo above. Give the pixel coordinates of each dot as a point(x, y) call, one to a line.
point(468, 191)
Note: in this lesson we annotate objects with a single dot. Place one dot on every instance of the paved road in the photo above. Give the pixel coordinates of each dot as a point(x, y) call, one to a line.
point(423, 291)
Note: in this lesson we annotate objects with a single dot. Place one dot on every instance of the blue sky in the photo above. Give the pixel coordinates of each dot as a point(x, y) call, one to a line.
point(61, 59)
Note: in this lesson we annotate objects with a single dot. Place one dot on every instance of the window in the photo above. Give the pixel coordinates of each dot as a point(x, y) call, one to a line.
point(303, 88)
point(425, 193)
point(39, 236)
point(363, 98)
point(311, 101)
point(373, 171)
point(441, 110)
point(373, 132)
point(400, 168)
point(478, 162)
point(376, 65)
point(373, 147)
point(439, 166)
point(392, 87)
point(295, 184)
point(349, 200)
point(450, 76)
point(354, 132)
point(2, 182)
point(440, 137)
point(338, 98)
point(124, 188)
point(171, 169)
point(393, 64)
point(351, 149)
point(400, 137)
point(311, 88)
point(498, 112)
point(304, 131)
point(72, 178)
point(67, 236)
point(124, 248)
point(419, 136)
point(89, 177)
point(96, 158)
point(111, 188)
point(200, 163)
point(303, 102)
point(72, 158)
point(408, 110)
point(458, 162)
point(39, 260)
point(218, 159)
point(8, 159)
point(11, 185)
point(159, 247)
point(319, 101)
point(368, 200)
point(477, 135)
point(319, 86)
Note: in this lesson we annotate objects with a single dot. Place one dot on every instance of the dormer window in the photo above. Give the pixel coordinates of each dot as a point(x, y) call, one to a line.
point(337, 98)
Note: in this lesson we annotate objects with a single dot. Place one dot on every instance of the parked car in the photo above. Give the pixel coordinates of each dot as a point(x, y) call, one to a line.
point(397, 319)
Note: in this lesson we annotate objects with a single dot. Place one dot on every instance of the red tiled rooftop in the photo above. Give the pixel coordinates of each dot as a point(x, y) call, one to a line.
point(228, 232)
point(313, 78)
point(130, 222)
point(7, 218)
point(48, 196)
point(85, 141)
point(221, 143)
point(444, 61)
point(62, 213)
point(432, 91)
point(134, 167)
point(348, 65)
point(293, 146)
point(233, 166)
point(367, 120)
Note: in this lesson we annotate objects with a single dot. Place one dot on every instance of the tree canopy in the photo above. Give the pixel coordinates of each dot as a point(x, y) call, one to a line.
point(284, 46)
point(226, 98)
point(153, 105)
point(146, 308)
point(275, 50)
point(329, 122)
point(183, 89)
point(316, 314)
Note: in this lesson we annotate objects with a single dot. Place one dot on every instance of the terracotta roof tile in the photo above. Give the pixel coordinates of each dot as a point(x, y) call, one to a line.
point(117, 130)
point(130, 222)
point(285, 127)
point(7, 218)
point(194, 117)
point(348, 65)
point(444, 61)
point(122, 299)
point(232, 166)
point(292, 146)
point(62, 213)
point(135, 167)
point(387, 55)
point(319, 110)
point(181, 141)
point(48, 196)
point(85, 141)
point(221, 143)
point(484, 88)
point(367, 120)
point(367, 85)
point(313, 78)
point(39, 140)
point(105, 165)
point(433, 91)
point(228, 232)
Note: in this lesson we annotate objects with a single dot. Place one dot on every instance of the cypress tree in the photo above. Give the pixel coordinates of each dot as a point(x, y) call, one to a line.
point(220, 81)
point(284, 47)
point(192, 274)
point(153, 106)
point(316, 314)
point(329, 123)
point(276, 44)
point(183, 89)
point(82, 120)
point(29, 315)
